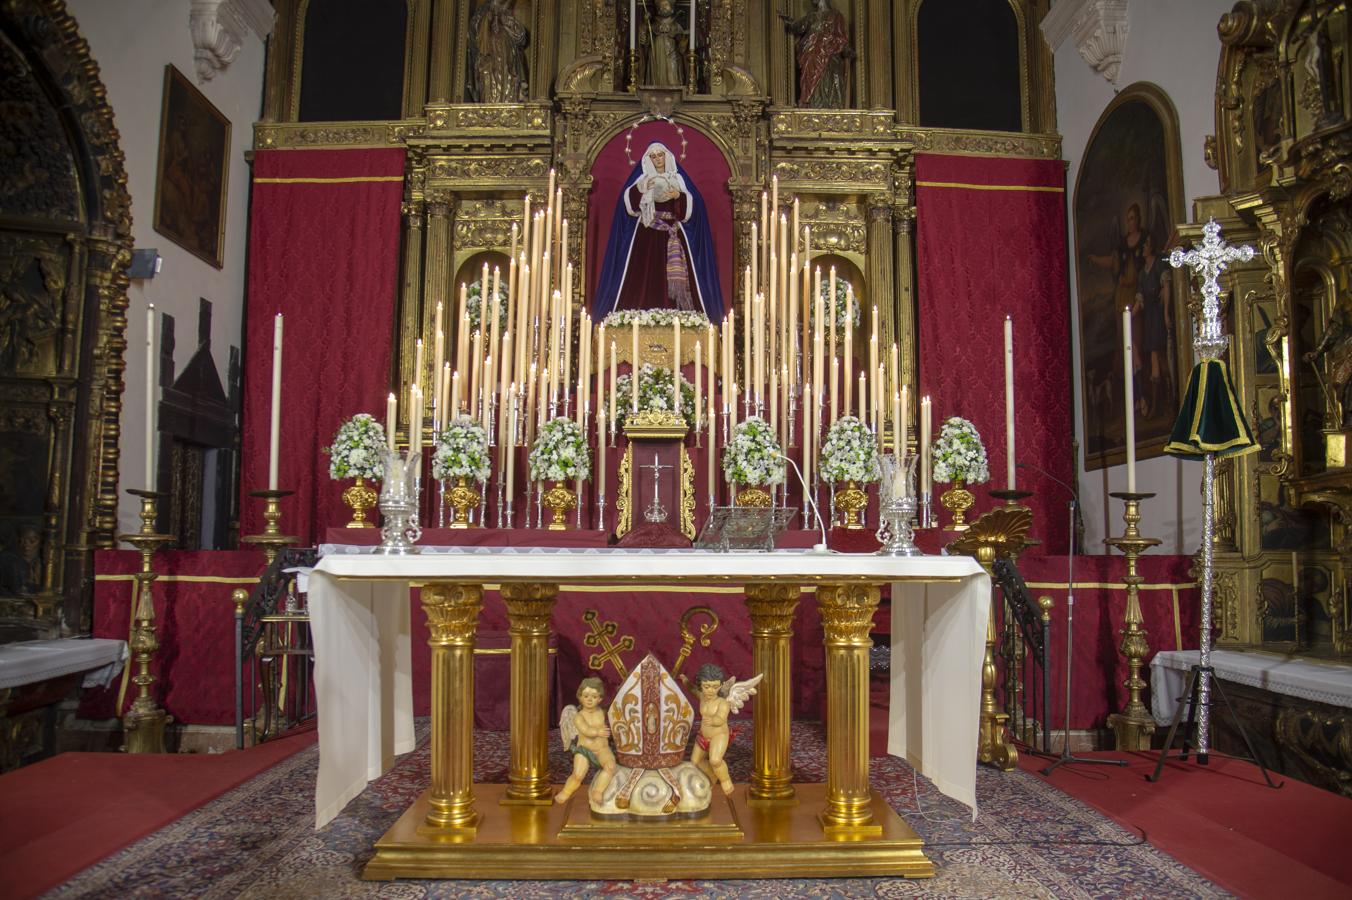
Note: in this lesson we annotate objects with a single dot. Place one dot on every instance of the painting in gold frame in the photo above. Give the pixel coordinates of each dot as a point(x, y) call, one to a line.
point(194, 164)
point(1128, 198)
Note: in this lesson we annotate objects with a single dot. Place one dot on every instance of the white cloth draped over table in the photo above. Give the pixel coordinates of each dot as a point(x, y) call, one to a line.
point(359, 613)
point(27, 662)
point(1309, 679)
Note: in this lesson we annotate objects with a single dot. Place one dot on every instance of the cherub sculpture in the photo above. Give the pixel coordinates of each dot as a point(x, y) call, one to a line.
point(587, 736)
point(718, 699)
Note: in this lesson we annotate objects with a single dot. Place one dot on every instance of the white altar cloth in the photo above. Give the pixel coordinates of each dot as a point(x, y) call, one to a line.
point(26, 662)
point(1309, 679)
point(359, 616)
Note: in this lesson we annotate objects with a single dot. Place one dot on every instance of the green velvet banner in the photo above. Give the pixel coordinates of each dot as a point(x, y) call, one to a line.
point(1210, 420)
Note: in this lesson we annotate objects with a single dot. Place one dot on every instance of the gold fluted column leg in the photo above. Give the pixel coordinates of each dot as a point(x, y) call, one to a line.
point(452, 617)
point(847, 618)
point(771, 607)
point(529, 606)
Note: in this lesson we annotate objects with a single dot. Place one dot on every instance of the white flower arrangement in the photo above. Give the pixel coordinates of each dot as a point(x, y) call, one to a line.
point(560, 452)
point(472, 305)
point(356, 449)
point(752, 457)
point(461, 451)
point(845, 301)
point(654, 394)
point(959, 454)
point(850, 452)
point(656, 318)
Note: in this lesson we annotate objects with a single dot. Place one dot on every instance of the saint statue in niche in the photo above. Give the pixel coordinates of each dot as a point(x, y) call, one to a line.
point(497, 54)
point(660, 252)
point(823, 54)
point(662, 46)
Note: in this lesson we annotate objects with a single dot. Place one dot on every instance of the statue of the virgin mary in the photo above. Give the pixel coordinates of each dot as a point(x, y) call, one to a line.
point(660, 252)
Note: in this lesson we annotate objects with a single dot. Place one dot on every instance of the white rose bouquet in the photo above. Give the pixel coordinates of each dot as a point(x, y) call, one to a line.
point(752, 457)
point(845, 305)
point(654, 393)
point(959, 454)
point(356, 449)
point(850, 452)
point(461, 451)
point(472, 296)
point(560, 452)
point(656, 318)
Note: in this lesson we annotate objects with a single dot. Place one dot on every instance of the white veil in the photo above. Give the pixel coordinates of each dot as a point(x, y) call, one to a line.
point(653, 181)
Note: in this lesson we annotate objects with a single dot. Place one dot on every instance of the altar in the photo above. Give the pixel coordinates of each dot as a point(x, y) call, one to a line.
point(770, 827)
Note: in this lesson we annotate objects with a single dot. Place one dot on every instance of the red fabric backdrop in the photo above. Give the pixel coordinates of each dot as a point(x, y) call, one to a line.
point(703, 162)
point(195, 624)
point(1170, 610)
point(990, 242)
point(324, 252)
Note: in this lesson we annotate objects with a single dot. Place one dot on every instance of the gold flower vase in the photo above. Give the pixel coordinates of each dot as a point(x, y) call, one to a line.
point(360, 497)
point(852, 502)
point(754, 496)
point(958, 500)
point(462, 498)
point(561, 501)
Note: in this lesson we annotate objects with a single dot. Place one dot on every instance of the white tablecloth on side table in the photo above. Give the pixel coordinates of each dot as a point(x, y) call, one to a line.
point(27, 662)
point(1309, 679)
point(359, 613)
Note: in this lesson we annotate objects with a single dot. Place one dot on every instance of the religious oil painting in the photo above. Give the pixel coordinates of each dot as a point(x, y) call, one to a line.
point(1127, 199)
point(190, 184)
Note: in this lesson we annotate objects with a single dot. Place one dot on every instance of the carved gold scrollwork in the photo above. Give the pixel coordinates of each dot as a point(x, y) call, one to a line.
point(452, 613)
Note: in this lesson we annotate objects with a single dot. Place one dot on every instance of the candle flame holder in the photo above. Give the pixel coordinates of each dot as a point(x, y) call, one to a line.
point(271, 540)
point(143, 724)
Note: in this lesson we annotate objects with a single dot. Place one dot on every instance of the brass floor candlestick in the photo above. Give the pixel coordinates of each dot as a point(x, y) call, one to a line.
point(1133, 726)
point(143, 724)
point(271, 540)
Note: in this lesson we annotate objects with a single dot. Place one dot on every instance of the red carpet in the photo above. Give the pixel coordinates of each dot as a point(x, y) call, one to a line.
point(66, 813)
point(1224, 821)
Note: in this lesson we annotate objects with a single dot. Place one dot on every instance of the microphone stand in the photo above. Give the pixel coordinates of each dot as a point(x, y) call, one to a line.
point(1066, 757)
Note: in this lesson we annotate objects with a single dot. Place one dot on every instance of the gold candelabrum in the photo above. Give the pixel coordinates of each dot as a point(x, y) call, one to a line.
point(1133, 726)
point(143, 724)
point(271, 540)
point(1001, 532)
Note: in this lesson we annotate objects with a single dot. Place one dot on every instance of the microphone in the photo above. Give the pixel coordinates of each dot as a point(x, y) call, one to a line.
point(1076, 523)
point(812, 504)
point(1070, 490)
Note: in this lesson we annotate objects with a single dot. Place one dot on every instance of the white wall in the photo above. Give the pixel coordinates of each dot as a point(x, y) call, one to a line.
point(1173, 45)
point(132, 41)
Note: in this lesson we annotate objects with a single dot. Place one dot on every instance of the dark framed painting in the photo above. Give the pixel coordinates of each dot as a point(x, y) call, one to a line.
point(190, 181)
point(1128, 198)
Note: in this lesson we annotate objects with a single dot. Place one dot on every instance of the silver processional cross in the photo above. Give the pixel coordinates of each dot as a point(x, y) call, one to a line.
point(1208, 260)
point(656, 512)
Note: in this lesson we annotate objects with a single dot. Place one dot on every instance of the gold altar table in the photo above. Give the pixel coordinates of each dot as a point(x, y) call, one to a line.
point(769, 827)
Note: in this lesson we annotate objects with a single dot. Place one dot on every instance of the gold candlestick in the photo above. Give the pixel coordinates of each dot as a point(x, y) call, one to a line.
point(271, 540)
point(1133, 726)
point(143, 724)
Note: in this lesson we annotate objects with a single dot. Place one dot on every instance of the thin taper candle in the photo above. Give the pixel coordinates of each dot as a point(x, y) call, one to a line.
point(1129, 398)
point(274, 438)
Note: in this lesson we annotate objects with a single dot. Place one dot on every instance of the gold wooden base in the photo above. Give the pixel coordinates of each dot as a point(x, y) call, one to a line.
point(530, 842)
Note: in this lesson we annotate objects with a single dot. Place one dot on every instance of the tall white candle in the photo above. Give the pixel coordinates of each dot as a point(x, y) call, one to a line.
point(1129, 397)
point(391, 421)
point(925, 425)
point(633, 24)
point(1009, 403)
point(601, 452)
point(274, 436)
point(699, 408)
point(150, 397)
point(614, 375)
point(633, 365)
point(676, 367)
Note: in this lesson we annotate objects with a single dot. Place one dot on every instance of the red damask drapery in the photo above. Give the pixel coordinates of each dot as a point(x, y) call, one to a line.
point(324, 252)
point(991, 242)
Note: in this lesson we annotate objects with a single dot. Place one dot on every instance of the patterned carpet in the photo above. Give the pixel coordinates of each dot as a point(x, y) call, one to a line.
point(258, 841)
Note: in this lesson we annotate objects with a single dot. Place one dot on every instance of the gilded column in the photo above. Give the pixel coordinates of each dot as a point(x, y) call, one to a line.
point(903, 323)
point(436, 274)
point(529, 606)
point(452, 616)
point(442, 52)
point(410, 300)
point(880, 266)
point(415, 64)
point(771, 607)
point(879, 54)
point(847, 618)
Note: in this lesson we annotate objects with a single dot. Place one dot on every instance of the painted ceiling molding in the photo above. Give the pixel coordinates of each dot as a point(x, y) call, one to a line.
point(1099, 28)
point(220, 27)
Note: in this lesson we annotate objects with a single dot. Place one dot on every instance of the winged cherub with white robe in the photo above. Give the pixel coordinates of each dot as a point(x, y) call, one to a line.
point(587, 736)
point(718, 699)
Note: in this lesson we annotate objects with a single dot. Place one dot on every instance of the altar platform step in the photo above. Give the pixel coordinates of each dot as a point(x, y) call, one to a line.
point(524, 842)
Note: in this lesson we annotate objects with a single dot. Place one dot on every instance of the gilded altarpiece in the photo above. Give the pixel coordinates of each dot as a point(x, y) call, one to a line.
point(65, 238)
point(1282, 149)
point(470, 164)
